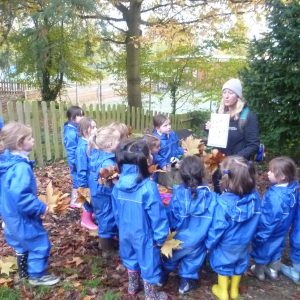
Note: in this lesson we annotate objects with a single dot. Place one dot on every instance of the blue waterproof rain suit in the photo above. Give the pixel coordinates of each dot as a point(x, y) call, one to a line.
point(169, 147)
point(1, 123)
point(21, 210)
point(278, 209)
point(101, 194)
point(82, 168)
point(70, 143)
point(234, 224)
point(142, 222)
point(295, 234)
point(190, 218)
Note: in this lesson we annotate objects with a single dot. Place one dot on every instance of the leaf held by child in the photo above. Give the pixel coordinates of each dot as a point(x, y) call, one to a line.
point(83, 194)
point(170, 244)
point(56, 201)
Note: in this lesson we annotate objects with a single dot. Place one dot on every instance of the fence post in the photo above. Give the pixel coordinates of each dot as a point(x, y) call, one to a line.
point(46, 131)
point(10, 111)
point(20, 112)
point(55, 130)
point(61, 127)
point(37, 133)
point(138, 119)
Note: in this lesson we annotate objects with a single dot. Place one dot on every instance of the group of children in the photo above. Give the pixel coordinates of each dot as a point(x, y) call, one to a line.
point(230, 228)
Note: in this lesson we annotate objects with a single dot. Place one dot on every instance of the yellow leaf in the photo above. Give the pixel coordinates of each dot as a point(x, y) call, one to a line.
point(8, 264)
point(191, 145)
point(170, 244)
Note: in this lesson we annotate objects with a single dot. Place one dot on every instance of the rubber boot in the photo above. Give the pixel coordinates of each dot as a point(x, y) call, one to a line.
point(87, 220)
point(290, 272)
point(22, 262)
point(107, 247)
point(151, 292)
point(234, 287)
point(272, 269)
point(258, 271)
point(133, 282)
point(74, 203)
point(220, 290)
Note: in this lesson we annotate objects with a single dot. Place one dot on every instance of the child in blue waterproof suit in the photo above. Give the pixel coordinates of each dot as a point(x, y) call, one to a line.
point(170, 149)
point(141, 218)
point(74, 115)
point(293, 272)
point(234, 224)
point(20, 208)
point(278, 209)
point(104, 144)
point(191, 207)
point(87, 128)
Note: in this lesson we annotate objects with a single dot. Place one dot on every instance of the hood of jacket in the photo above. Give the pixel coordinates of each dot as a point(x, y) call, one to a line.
point(128, 178)
point(7, 160)
point(287, 193)
point(238, 208)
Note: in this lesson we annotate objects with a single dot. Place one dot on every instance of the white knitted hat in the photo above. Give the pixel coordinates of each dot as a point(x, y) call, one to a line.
point(234, 85)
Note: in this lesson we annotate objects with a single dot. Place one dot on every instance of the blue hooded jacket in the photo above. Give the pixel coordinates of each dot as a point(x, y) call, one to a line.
point(82, 163)
point(138, 209)
point(191, 217)
point(295, 234)
point(71, 141)
point(19, 205)
point(278, 208)
point(1, 123)
point(101, 193)
point(234, 224)
point(169, 147)
point(142, 222)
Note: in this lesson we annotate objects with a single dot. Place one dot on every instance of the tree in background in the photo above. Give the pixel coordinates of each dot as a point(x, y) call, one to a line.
point(49, 44)
point(272, 85)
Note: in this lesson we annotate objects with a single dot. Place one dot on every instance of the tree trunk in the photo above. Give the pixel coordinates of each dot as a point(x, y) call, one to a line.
point(133, 54)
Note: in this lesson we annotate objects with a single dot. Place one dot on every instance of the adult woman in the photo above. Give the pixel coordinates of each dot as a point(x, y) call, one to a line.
point(243, 135)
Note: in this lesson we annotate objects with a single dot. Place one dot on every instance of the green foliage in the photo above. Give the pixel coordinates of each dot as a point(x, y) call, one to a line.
point(8, 293)
point(272, 85)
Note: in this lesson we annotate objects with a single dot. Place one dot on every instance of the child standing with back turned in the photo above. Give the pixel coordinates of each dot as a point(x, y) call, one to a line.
point(20, 207)
point(191, 207)
point(74, 115)
point(278, 209)
point(87, 128)
point(141, 219)
point(234, 225)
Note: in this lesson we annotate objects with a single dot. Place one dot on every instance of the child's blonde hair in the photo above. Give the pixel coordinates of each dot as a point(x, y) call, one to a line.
point(283, 167)
point(12, 135)
point(122, 128)
point(83, 126)
point(238, 175)
point(105, 139)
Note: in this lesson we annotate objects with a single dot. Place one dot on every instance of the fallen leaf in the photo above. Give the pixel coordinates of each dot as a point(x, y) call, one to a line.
point(8, 264)
point(83, 194)
point(170, 244)
point(191, 145)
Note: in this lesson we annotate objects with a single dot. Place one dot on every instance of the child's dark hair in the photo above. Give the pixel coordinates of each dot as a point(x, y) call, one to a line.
point(73, 112)
point(134, 152)
point(159, 119)
point(152, 141)
point(283, 167)
point(192, 171)
point(238, 175)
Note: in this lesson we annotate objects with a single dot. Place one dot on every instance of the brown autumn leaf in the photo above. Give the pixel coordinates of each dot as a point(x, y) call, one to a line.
point(212, 160)
point(56, 201)
point(8, 264)
point(107, 175)
point(83, 194)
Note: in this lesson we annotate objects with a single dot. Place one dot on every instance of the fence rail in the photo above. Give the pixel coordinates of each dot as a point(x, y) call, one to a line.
point(47, 121)
point(11, 87)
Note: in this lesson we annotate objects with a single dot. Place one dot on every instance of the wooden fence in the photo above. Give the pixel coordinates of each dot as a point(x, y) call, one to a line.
point(47, 121)
point(11, 87)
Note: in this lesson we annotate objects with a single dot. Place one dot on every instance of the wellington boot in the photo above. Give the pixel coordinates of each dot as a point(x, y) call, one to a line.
point(220, 290)
point(234, 288)
point(22, 261)
point(107, 248)
point(87, 221)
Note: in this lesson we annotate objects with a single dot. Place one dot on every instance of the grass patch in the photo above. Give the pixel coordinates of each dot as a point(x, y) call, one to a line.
point(111, 296)
point(67, 286)
point(90, 284)
point(9, 294)
point(69, 271)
